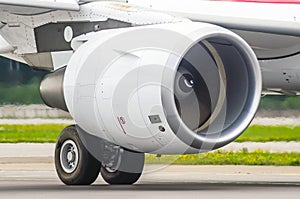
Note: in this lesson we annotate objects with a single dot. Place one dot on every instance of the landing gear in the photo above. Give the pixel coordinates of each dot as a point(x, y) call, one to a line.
point(129, 169)
point(75, 165)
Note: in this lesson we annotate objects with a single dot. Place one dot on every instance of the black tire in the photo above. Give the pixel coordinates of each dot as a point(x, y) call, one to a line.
point(87, 167)
point(119, 177)
point(130, 161)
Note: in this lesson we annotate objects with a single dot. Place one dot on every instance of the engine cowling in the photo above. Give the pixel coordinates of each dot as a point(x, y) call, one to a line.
point(51, 89)
point(171, 88)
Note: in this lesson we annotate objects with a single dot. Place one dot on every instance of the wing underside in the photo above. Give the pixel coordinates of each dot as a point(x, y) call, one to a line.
point(35, 6)
point(39, 6)
point(273, 31)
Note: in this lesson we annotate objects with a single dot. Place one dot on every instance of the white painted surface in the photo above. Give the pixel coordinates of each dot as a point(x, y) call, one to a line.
point(47, 4)
point(68, 34)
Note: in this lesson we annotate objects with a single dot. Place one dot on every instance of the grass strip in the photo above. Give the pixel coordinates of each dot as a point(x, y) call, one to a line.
point(257, 133)
point(41, 133)
point(49, 133)
point(228, 158)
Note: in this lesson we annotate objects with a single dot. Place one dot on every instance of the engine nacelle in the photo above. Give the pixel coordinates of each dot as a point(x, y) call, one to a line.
point(172, 88)
point(51, 89)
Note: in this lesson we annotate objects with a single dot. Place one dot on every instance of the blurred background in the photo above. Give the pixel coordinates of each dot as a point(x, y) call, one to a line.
point(272, 139)
point(19, 85)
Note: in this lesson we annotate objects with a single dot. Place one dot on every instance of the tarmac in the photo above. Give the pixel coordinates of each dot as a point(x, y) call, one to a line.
point(44, 152)
point(29, 180)
point(27, 171)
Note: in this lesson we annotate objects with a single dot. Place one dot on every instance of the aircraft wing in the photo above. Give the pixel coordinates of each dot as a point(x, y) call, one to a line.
point(268, 16)
point(30, 6)
point(38, 6)
point(271, 27)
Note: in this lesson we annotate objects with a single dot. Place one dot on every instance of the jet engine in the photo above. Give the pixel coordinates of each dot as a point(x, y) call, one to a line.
point(165, 89)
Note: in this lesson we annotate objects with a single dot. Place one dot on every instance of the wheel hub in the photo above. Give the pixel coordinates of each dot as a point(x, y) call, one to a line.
point(69, 156)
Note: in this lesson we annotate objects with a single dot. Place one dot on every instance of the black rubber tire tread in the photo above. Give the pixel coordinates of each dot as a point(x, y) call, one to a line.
point(119, 177)
point(131, 168)
point(88, 167)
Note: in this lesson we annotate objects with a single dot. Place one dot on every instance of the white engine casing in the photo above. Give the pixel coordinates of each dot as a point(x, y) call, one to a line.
point(119, 79)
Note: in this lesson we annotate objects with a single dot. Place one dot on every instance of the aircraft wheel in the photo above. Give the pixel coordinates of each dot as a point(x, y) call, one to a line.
point(130, 169)
point(74, 164)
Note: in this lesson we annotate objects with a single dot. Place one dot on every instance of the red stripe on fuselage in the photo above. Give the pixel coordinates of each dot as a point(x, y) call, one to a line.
point(266, 1)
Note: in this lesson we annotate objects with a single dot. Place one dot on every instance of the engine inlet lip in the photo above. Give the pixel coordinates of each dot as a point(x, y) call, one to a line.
point(199, 141)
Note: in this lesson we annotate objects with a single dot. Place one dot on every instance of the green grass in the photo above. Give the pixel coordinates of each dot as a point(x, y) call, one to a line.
point(21, 94)
point(30, 133)
point(49, 133)
point(258, 133)
point(229, 158)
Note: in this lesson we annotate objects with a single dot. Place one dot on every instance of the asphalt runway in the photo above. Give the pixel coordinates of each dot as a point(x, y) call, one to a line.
point(39, 180)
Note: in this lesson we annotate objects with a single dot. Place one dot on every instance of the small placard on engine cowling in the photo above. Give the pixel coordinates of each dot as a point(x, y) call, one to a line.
point(154, 119)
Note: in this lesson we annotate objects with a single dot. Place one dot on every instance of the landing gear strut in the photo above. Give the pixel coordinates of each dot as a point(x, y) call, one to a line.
point(128, 170)
point(75, 165)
